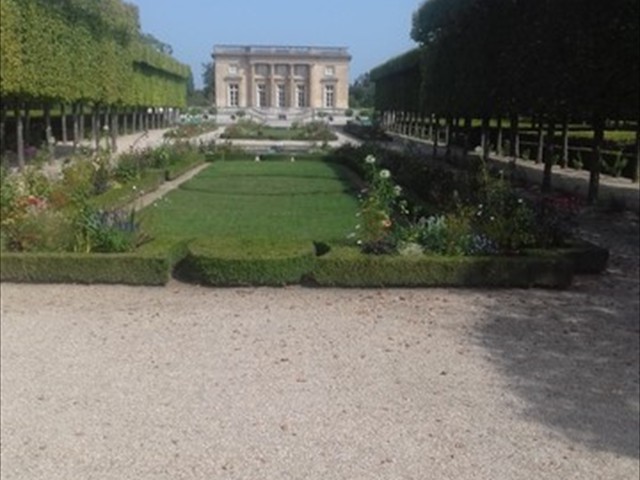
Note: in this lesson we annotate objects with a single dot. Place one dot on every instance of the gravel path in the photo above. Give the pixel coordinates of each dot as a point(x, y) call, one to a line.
point(185, 382)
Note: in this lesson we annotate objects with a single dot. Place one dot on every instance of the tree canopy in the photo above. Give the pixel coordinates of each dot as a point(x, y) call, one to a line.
point(84, 51)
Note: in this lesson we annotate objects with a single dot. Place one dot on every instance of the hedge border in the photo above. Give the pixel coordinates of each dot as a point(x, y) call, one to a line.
point(152, 264)
point(228, 262)
point(347, 267)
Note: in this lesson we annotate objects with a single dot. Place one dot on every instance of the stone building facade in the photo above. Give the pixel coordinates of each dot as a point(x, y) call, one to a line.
point(280, 79)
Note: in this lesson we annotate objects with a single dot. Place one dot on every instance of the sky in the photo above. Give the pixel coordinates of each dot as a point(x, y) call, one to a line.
point(372, 30)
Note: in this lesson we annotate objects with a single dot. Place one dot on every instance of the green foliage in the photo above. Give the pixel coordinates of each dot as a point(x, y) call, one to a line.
point(128, 268)
point(104, 231)
point(247, 262)
point(83, 51)
point(347, 267)
point(249, 129)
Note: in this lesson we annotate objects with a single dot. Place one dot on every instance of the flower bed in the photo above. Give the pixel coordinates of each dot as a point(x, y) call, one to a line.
point(491, 237)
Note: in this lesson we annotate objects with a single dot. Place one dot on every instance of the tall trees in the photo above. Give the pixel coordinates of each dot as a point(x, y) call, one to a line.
point(557, 60)
point(83, 52)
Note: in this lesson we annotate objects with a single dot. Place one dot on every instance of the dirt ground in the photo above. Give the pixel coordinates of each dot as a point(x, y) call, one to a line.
point(186, 382)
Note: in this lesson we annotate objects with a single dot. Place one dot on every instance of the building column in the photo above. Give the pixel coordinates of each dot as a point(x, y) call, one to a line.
point(292, 88)
point(250, 87)
point(311, 88)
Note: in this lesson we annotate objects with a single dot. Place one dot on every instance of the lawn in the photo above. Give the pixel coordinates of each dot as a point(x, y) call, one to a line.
point(268, 200)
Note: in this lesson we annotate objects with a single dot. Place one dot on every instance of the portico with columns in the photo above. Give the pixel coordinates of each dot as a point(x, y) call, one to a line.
point(281, 79)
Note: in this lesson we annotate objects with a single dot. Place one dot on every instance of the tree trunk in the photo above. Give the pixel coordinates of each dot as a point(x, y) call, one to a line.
point(499, 139)
point(467, 136)
point(81, 119)
point(436, 135)
point(564, 162)
point(485, 140)
point(540, 154)
point(20, 137)
point(431, 127)
point(95, 127)
point(596, 159)
point(47, 131)
point(635, 174)
point(447, 137)
point(548, 156)
point(514, 137)
point(114, 130)
point(27, 125)
point(134, 121)
point(125, 122)
point(74, 126)
point(3, 124)
point(63, 122)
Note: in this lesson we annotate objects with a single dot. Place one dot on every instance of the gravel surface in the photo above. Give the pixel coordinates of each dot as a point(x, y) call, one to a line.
point(186, 382)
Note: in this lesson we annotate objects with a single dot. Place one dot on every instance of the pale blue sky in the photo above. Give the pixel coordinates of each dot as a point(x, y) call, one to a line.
point(373, 30)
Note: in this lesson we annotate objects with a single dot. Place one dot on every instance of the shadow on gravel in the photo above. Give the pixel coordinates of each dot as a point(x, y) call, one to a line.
point(573, 356)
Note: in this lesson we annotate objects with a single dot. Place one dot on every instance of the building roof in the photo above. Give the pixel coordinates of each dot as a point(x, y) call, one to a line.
point(281, 50)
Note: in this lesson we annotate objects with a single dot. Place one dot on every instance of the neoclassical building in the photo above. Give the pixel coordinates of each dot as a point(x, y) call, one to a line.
point(281, 79)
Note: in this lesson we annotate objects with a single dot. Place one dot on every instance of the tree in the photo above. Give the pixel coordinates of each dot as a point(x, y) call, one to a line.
point(362, 92)
point(209, 80)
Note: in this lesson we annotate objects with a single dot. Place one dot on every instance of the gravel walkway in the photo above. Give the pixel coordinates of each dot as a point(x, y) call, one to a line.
point(185, 382)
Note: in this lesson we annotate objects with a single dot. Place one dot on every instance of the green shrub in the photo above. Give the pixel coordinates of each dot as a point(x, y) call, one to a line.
point(236, 262)
point(151, 264)
point(347, 267)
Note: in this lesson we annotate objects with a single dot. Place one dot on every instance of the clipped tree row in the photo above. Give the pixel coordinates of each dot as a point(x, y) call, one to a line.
point(556, 61)
point(79, 54)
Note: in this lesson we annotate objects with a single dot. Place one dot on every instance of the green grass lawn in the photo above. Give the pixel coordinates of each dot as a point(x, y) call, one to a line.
point(269, 200)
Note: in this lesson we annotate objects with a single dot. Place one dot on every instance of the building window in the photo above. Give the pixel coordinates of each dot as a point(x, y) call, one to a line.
point(282, 70)
point(329, 71)
point(261, 95)
point(329, 96)
point(233, 69)
point(301, 71)
point(234, 95)
point(262, 69)
point(301, 96)
point(281, 95)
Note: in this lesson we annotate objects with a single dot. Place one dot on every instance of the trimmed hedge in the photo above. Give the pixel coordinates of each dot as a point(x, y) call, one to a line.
point(347, 267)
point(236, 262)
point(233, 262)
point(151, 264)
point(267, 157)
point(585, 257)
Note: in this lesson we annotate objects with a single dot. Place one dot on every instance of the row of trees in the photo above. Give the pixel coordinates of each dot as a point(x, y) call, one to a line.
point(75, 54)
point(559, 61)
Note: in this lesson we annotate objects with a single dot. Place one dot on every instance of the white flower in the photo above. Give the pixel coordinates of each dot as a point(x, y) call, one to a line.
point(257, 159)
point(134, 187)
point(105, 128)
point(397, 190)
point(492, 218)
point(519, 200)
point(370, 159)
point(385, 173)
point(351, 235)
point(357, 227)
